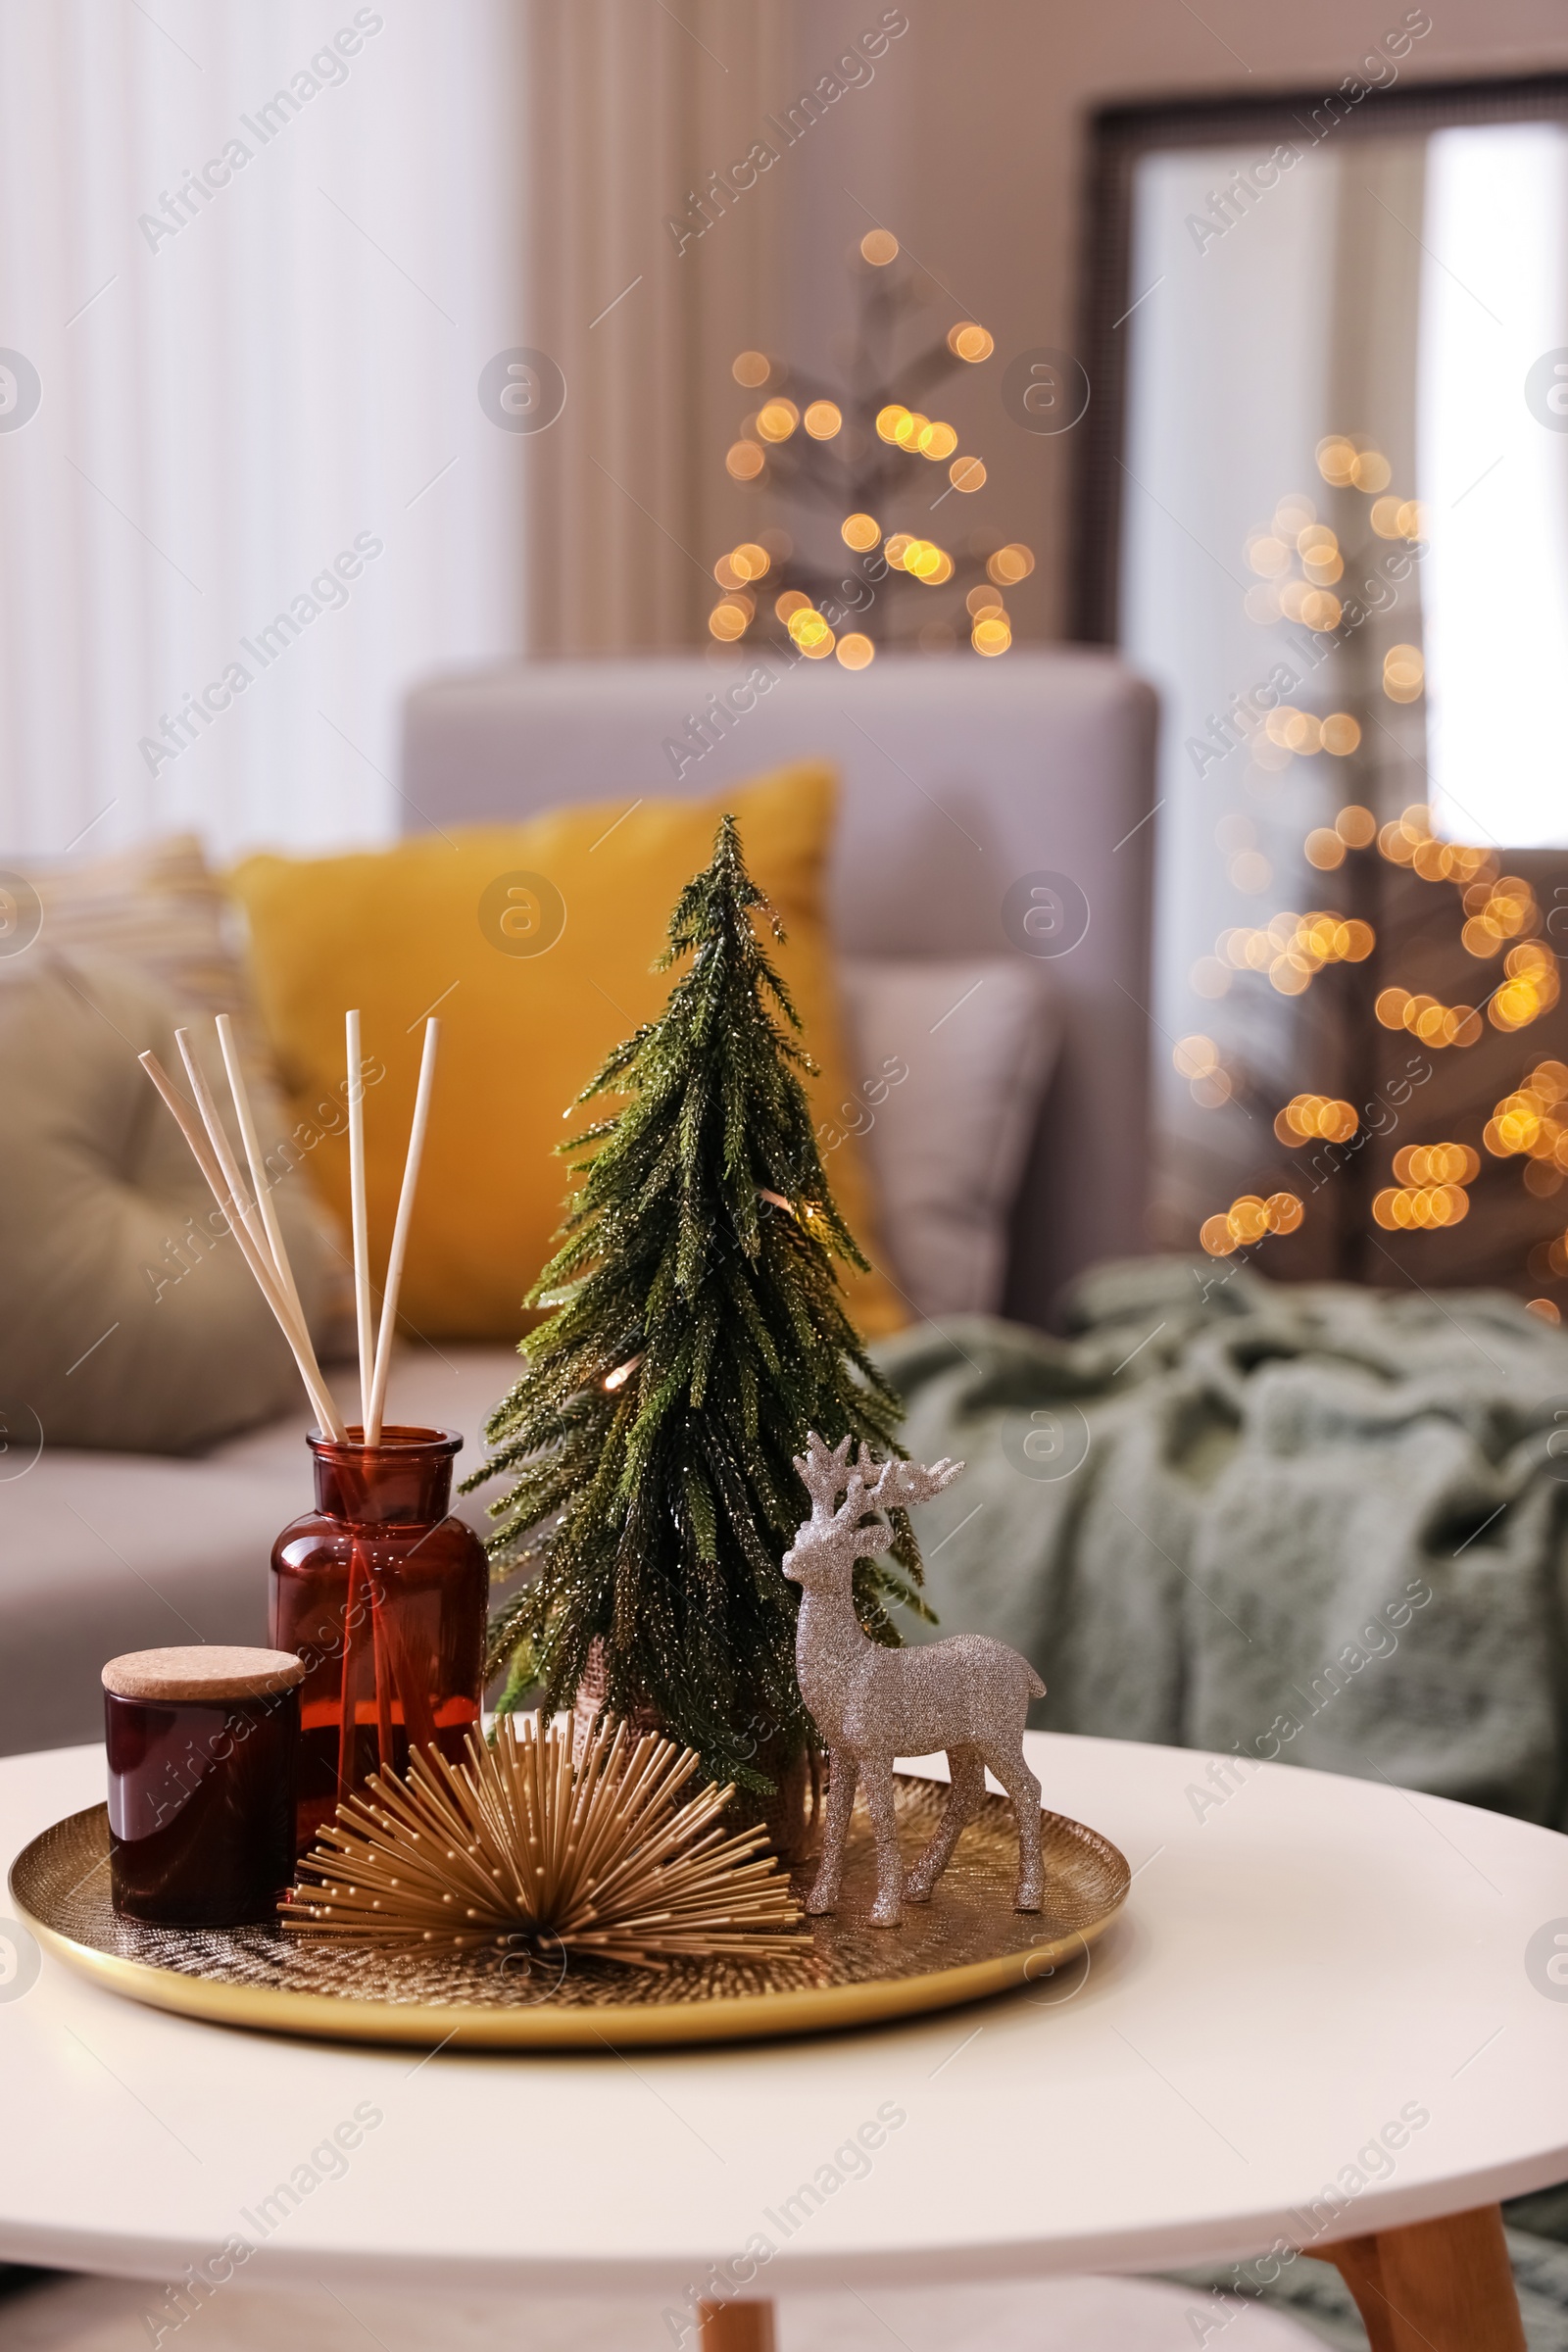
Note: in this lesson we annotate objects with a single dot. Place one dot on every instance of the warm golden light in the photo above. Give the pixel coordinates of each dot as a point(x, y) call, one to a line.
point(1421, 1208)
point(1306, 1118)
point(1403, 673)
point(811, 633)
point(983, 600)
point(822, 420)
point(855, 651)
point(909, 427)
point(1386, 513)
point(859, 531)
point(1499, 911)
point(1547, 1308)
point(749, 560)
point(1195, 1056)
point(1294, 948)
point(991, 634)
point(776, 420)
point(1530, 988)
point(1336, 459)
point(898, 546)
point(1355, 826)
point(1434, 1023)
point(751, 369)
point(1436, 1163)
point(889, 419)
point(1371, 470)
point(1341, 735)
point(1248, 1220)
point(966, 473)
point(1010, 564)
point(937, 441)
point(1268, 556)
point(744, 461)
point(728, 621)
point(790, 603)
point(966, 341)
point(879, 246)
point(1321, 610)
point(1413, 519)
point(1324, 849)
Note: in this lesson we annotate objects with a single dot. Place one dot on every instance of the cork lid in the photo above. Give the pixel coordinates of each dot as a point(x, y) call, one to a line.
point(209, 1670)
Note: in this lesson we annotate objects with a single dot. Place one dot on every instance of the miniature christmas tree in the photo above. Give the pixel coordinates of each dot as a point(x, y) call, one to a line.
point(696, 1336)
point(863, 456)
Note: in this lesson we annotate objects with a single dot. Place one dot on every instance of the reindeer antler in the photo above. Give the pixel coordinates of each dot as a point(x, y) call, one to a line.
point(904, 1483)
point(822, 1470)
point(887, 1486)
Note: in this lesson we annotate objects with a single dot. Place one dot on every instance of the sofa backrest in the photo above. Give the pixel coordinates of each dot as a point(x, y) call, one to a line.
point(963, 781)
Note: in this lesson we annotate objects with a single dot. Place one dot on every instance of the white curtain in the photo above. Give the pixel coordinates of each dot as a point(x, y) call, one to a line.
point(635, 111)
point(257, 493)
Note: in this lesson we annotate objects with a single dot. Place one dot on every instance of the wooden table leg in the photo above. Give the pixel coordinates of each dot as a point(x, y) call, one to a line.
point(1435, 2286)
point(746, 2327)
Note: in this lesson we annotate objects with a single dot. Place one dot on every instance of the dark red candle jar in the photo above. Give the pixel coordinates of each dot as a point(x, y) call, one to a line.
point(202, 1746)
point(384, 1597)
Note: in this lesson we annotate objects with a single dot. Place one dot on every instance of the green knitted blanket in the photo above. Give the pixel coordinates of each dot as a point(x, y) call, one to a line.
point(1309, 1523)
point(1312, 1523)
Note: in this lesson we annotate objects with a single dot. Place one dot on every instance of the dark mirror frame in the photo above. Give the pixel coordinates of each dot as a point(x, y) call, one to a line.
point(1118, 138)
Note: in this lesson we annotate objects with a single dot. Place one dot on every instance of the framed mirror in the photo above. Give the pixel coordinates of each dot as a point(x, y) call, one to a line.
point(1323, 505)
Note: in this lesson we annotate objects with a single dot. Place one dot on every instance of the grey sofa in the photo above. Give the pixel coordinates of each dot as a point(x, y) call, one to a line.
point(960, 779)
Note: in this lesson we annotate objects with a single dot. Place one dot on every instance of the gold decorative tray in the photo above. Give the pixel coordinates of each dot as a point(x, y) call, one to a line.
point(966, 1942)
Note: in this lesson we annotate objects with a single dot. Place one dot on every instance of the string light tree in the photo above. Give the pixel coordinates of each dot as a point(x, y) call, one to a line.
point(866, 457)
point(698, 1336)
point(1301, 564)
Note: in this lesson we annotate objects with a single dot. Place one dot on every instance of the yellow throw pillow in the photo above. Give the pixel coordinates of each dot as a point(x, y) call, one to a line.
point(535, 943)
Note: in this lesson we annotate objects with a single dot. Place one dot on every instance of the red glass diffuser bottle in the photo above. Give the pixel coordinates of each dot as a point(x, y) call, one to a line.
point(384, 1597)
point(377, 1591)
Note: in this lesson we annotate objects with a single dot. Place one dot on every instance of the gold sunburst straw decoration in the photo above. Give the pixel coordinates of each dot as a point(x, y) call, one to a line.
point(589, 1854)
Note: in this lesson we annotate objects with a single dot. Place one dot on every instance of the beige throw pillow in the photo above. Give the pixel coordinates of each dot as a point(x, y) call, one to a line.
point(128, 1319)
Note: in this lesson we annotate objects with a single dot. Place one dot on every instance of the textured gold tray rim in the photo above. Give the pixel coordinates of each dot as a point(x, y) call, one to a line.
point(331, 2017)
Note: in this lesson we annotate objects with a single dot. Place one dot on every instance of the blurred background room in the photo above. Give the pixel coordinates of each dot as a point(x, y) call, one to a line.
point(1089, 488)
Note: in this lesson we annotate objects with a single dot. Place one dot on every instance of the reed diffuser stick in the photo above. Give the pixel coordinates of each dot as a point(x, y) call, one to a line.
point(400, 1236)
point(222, 1150)
point(260, 1178)
point(363, 1312)
point(297, 1336)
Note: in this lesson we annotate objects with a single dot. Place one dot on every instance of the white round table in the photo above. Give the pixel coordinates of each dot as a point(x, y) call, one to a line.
point(1324, 2021)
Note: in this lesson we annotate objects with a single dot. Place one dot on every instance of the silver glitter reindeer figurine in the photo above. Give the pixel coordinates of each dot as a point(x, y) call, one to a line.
point(968, 1694)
